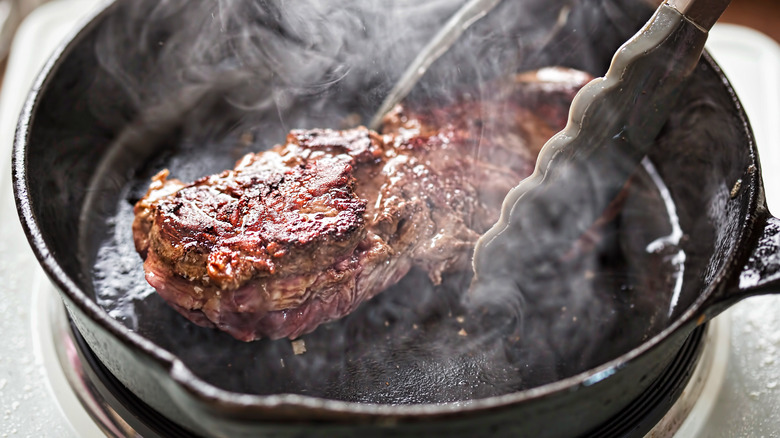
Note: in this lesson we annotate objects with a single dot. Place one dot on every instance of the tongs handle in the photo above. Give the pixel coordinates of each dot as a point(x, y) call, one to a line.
point(613, 122)
point(702, 13)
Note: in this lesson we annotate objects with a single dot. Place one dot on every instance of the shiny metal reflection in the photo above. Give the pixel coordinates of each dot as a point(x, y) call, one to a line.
point(65, 349)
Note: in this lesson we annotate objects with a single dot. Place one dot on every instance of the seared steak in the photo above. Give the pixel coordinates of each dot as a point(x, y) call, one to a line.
point(303, 233)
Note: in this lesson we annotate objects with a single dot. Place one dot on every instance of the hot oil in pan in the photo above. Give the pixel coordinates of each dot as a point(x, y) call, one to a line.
point(416, 343)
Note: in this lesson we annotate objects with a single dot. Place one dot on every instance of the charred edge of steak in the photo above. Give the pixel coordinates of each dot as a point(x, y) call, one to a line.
point(285, 306)
point(280, 212)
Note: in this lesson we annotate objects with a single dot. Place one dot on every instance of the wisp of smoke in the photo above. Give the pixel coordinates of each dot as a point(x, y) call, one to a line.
point(190, 79)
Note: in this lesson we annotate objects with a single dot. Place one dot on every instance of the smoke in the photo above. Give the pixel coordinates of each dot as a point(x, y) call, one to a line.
point(198, 84)
point(265, 56)
point(327, 63)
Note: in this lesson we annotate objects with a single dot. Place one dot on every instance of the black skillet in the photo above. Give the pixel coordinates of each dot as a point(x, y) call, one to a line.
point(383, 370)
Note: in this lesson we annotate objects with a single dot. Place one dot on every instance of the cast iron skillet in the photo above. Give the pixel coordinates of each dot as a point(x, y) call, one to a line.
point(706, 156)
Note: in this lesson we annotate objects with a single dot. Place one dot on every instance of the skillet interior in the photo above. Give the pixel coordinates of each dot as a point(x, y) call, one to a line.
point(75, 126)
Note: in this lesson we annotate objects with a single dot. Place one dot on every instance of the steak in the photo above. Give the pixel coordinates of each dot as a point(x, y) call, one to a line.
point(303, 233)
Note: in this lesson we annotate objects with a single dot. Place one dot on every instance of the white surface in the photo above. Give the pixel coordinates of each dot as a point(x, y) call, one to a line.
point(747, 404)
point(27, 394)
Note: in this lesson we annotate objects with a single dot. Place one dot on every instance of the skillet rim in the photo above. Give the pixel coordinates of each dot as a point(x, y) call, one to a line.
point(208, 393)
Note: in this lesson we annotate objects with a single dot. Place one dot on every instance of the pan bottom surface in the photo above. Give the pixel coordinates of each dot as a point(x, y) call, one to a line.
point(636, 420)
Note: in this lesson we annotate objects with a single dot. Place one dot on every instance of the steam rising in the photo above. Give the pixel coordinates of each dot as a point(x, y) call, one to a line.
point(202, 83)
point(263, 55)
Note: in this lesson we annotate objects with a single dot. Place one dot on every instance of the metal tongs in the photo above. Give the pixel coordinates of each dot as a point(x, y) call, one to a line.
point(613, 123)
point(467, 15)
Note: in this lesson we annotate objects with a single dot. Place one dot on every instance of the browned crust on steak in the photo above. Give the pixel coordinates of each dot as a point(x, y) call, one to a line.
point(303, 233)
point(277, 213)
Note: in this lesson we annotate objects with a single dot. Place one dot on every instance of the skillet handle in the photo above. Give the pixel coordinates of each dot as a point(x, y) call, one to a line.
point(760, 274)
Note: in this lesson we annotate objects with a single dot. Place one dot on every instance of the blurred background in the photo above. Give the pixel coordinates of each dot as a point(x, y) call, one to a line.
point(761, 15)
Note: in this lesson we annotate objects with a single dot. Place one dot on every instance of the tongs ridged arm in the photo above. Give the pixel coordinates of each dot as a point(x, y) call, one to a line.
point(613, 122)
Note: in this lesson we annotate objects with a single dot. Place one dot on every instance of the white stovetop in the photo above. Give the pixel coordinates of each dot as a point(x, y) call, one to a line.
point(746, 405)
